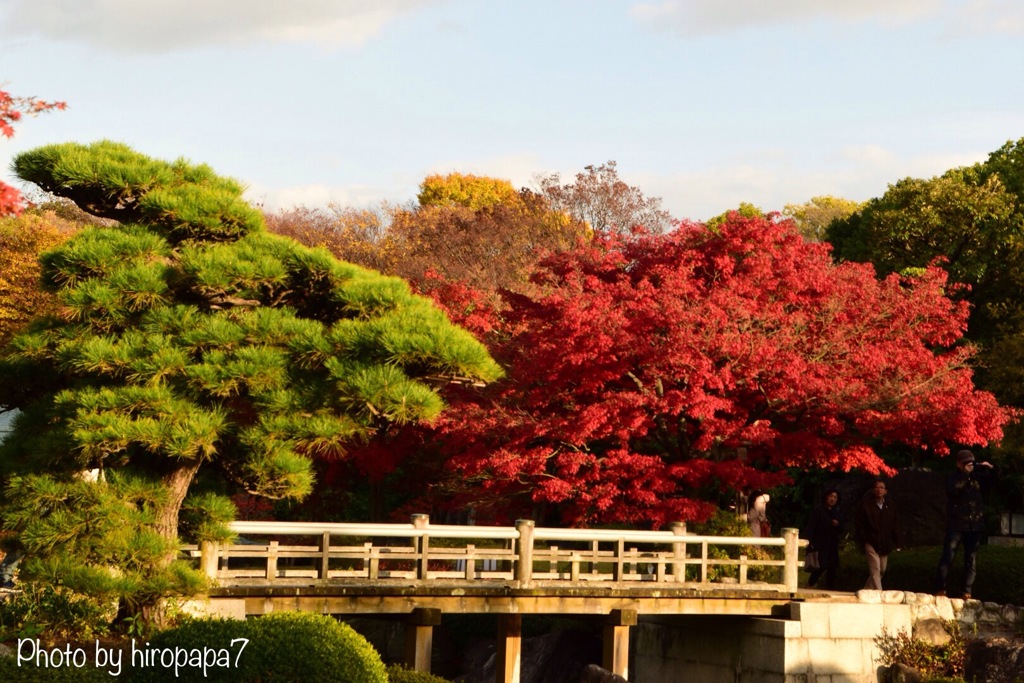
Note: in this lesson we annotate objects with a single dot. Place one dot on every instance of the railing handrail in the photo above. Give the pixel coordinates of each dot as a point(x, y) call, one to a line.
point(372, 529)
point(403, 530)
point(523, 547)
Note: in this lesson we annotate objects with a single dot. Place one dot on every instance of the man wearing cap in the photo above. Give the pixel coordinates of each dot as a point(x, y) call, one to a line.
point(965, 517)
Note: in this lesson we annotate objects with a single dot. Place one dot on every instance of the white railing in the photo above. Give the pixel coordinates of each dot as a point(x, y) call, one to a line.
point(524, 555)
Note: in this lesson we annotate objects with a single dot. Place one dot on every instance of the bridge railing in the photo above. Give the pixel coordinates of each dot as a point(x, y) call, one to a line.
point(525, 555)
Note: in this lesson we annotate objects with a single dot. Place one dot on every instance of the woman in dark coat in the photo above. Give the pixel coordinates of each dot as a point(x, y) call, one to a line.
point(823, 534)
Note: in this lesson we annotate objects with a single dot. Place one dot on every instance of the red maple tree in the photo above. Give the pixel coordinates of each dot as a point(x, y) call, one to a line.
point(647, 376)
point(11, 111)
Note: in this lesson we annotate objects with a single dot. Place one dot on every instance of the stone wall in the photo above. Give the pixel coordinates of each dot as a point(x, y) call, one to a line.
point(828, 641)
point(977, 619)
point(816, 642)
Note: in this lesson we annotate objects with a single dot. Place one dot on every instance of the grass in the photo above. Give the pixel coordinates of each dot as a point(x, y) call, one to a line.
point(914, 569)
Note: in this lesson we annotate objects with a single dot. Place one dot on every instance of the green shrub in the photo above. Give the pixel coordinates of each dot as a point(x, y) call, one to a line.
point(400, 674)
point(727, 523)
point(284, 646)
point(933, 661)
point(913, 569)
point(27, 673)
point(54, 611)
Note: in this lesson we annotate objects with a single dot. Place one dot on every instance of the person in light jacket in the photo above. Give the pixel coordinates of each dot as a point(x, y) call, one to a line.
point(757, 514)
point(877, 531)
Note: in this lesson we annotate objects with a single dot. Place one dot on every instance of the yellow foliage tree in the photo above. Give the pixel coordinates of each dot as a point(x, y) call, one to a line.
point(22, 240)
point(474, 229)
point(466, 190)
point(814, 216)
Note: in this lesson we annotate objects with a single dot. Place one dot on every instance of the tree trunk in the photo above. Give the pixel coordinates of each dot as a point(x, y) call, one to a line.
point(177, 482)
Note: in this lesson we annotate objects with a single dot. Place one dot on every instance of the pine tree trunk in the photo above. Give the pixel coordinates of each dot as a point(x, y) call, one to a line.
point(177, 482)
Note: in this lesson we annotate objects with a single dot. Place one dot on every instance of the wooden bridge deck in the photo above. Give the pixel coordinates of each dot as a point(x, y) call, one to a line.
point(396, 568)
point(422, 571)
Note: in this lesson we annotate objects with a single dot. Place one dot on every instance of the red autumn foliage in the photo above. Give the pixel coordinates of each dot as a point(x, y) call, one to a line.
point(11, 111)
point(639, 368)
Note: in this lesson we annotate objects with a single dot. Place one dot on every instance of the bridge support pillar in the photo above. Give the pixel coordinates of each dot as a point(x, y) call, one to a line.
point(508, 662)
point(419, 637)
point(615, 644)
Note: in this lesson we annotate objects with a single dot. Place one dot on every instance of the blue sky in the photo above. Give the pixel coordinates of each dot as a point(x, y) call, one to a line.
point(705, 103)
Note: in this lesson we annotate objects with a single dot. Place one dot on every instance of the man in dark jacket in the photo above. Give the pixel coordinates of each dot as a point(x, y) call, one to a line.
point(965, 517)
point(877, 531)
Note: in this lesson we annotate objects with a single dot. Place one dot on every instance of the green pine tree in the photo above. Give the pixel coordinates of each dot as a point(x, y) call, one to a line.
point(187, 336)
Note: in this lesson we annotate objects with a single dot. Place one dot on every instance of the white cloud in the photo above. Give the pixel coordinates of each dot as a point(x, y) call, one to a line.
point(989, 17)
point(703, 17)
point(400, 187)
point(317, 195)
point(163, 25)
point(857, 173)
point(868, 154)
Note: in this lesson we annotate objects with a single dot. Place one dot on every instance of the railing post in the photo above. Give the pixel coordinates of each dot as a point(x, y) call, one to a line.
point(422, 545)
point(790, 573)
point(272, 561)
point(374, 554)
point(524, 566)
point(208, 558)
point(325, 556)
point(678, 553)
point(470, 567)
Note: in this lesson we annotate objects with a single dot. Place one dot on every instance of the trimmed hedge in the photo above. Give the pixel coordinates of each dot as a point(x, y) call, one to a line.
point(26, 673)
point(914, 569)
point(283, 646)
point(399, 674)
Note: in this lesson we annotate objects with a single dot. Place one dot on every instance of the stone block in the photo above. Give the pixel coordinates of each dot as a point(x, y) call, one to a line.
point(813, 618)
point(892, 597)
point(225, 608)
point(856, 620)
point(921, 612)
point(847, 678)
point(775, 628)
point(798, 655)
point(1011, 615)
point(925, 598)
point(897, 618)
point(840, 656)
point(944, 607)
point(931, 631)
point(990, 614)
point(869, 596)
point(762, 653)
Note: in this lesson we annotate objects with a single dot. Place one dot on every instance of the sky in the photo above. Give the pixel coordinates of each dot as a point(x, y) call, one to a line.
point(704, 103)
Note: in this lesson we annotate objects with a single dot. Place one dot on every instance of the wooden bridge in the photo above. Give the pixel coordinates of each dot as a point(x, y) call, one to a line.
point(424, 570)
